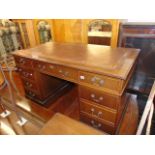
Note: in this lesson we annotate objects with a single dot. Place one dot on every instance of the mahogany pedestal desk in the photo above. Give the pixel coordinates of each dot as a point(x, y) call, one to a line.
point(100, 72)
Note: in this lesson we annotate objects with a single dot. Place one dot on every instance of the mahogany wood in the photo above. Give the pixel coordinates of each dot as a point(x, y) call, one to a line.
point(99, 68)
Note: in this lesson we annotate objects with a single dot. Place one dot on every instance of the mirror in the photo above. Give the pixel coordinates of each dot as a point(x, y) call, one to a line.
point(99, 32)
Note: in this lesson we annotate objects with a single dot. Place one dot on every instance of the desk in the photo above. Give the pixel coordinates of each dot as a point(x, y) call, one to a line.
point(100, 72)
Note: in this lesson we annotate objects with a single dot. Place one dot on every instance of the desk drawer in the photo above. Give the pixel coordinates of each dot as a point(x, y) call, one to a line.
point(98, 97)
point(98, 112)
point(97, 124)
point(24, 62)
point(99, 81)
point(67, 73)
point(44, 67)
point(29, 85)
point(26, 73)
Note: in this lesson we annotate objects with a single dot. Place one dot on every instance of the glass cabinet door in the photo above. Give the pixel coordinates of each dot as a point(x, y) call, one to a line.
point(99, 32)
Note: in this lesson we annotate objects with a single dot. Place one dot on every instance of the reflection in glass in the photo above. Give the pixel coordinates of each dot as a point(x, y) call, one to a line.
point(44, 32)
point(99, 32)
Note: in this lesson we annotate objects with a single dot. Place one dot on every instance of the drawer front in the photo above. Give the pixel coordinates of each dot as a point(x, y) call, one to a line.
point(98, 112)
point(45, 67)
point(26, 73)
point(67, 73)
point(97, 124)
point(98, 97)
point(103, 82)
point(24, 62)
point(29, 85)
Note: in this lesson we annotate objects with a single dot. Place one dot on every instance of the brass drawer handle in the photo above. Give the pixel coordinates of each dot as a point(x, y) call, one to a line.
point(98, 125)
point(101, 82)
point(95, 99)
point(64, 73)
point(93, 80)
point(51, 67)
point(25, 74)
point(19, 69)
point(41, 66)
point(60, 71)
point(98, 114)
point(96, 80)
point(21, 60)
point(32, 94)
point(92, 110)
point(28, 84)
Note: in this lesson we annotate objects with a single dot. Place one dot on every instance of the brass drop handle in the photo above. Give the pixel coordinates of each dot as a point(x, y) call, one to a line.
point(97, 80)
point(93, 80)
point(64, 73)
point(101, 82)
point(92, 110)
point(95, 125)
point(32, 94)
point(25, 74)
point(60, 71)
point(95, 99)
point(51, 67)
point(99, 114)
point(41, 66)
point(21, 61)
point(28, 84)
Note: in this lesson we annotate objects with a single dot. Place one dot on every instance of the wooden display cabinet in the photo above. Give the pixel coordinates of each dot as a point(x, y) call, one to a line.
point(35, 24)
point(27, 32)
point(76, 30)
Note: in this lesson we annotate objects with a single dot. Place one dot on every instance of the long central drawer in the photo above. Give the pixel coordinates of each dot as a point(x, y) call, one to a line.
point(101, 82)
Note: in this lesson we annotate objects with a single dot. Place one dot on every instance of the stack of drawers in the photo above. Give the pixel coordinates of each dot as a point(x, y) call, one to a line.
point(40, 87)
point(26, 71)
point(98, 107)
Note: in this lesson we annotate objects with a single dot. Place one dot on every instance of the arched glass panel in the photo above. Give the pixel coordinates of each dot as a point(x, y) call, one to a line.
point(99, 32)
point(44, 30)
